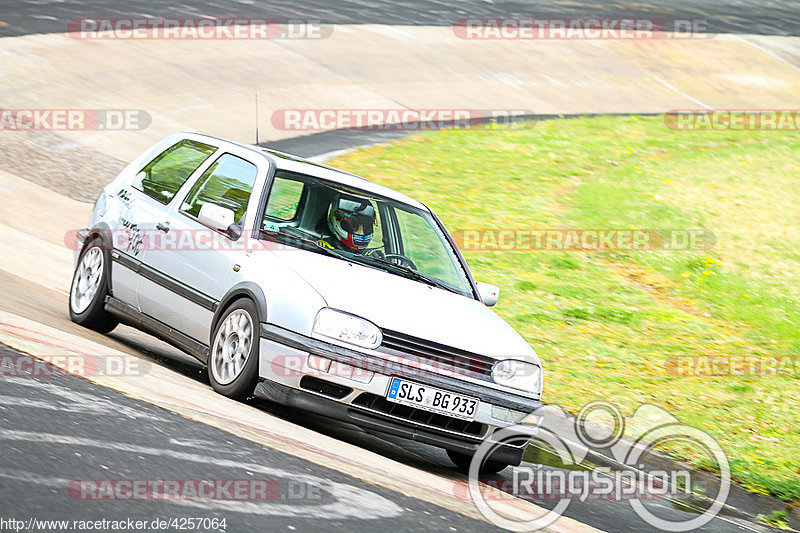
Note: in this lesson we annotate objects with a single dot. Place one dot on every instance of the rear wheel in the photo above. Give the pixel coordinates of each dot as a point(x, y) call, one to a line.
point(88, 291)
point(463, 460)
point(233, 361)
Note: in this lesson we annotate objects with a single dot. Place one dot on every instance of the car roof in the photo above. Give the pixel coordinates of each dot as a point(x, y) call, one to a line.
point(300, 165)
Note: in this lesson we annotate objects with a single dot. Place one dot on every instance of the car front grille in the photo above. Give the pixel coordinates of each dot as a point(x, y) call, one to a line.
point(437, 355)
point(421, 416)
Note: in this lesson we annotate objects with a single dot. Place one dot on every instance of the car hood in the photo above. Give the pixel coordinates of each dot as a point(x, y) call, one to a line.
point(407, 306)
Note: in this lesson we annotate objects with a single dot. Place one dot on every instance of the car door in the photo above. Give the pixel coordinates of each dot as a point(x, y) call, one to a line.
point(142, 202)
point(186, 270)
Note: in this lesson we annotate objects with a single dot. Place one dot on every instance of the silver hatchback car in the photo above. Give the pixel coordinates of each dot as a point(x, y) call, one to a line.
point(311, 287)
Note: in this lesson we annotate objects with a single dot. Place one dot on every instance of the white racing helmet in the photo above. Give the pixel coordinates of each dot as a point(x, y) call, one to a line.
point(351, 220)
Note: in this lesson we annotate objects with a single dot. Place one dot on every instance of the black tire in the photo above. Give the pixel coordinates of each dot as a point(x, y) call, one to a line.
point(463, 460)
point(94, 316)
point(242, 385)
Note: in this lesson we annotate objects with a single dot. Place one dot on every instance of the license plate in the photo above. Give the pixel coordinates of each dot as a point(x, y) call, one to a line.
point(432, 399)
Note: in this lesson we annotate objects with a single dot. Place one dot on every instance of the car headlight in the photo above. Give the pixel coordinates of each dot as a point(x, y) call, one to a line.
point(347, 328)
point(518, 375)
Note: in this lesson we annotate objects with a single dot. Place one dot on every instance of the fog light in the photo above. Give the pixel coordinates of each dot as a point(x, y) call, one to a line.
point(532, 420)
point(335, 368)
point(342, 370)
point(507, 415)
point(319, 363)
point(362, 376)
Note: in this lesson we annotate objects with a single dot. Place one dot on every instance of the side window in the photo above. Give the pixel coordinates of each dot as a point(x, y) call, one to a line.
point(163, 176)
point(377, 235)
point(425, 246)
point(228, 183)
point(284, 199)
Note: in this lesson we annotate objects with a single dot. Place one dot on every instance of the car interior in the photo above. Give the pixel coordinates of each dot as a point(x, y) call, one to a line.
point(305, 214)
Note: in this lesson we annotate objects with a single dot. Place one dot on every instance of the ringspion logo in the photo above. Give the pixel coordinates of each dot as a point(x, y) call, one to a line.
point(628, 441)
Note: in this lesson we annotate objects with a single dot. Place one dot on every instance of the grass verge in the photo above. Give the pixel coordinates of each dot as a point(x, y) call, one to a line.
point(614, 324)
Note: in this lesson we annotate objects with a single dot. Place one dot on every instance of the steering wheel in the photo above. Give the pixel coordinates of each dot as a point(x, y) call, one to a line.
point(400, 260)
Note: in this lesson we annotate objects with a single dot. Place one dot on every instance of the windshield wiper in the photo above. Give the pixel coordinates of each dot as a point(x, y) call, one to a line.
point(410, 273)
point(307, 244)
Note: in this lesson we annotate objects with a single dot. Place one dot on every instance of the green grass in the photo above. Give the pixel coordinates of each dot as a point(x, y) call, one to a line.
point(606, 324)
point(776, 519)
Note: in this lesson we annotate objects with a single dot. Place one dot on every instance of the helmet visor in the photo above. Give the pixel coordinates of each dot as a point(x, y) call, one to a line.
point(356, 216)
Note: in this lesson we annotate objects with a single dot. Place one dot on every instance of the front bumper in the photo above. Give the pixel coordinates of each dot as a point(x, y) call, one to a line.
point(285, 378)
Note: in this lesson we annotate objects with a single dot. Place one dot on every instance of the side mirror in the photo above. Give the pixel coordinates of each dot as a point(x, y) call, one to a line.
point(216, 217)
point(489, 293)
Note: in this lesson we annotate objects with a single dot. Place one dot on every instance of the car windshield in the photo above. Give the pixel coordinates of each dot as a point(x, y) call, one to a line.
point(355, 225)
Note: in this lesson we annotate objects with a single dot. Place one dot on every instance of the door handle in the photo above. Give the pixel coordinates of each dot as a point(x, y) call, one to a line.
point(163, 226)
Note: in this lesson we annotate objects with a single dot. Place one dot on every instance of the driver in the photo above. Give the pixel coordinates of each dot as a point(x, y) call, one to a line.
point(351, 220)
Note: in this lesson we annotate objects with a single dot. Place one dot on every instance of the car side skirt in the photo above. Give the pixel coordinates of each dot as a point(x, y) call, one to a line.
point(132, 316)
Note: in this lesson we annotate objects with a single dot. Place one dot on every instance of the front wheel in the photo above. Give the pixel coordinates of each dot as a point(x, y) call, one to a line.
point(233, 361)
point(87, 294)
point(463, 460)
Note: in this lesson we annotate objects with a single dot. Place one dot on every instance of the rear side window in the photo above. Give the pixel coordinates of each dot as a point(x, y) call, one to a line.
point(284, 199)
point(164, 175)
point(227, 183)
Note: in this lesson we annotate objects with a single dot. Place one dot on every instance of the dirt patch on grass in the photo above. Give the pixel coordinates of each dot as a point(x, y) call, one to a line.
point(660, 288)
point(656, 285)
